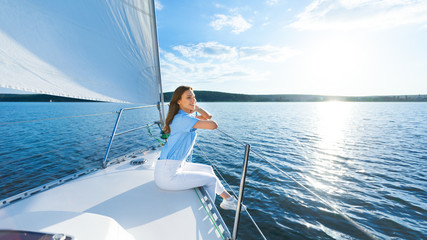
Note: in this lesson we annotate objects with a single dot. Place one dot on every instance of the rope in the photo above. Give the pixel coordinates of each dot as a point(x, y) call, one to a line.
point(46, 119)
point(162, 143)
point(368, 234)
point(351, 221)
point(234, 194)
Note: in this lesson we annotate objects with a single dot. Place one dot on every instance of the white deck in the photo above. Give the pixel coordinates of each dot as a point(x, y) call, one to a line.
point(110, 204)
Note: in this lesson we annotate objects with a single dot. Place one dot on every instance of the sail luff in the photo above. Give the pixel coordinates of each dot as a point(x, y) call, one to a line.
point(157, 56)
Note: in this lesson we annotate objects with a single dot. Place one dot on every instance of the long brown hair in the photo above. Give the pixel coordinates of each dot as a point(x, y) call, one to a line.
point(174, 107)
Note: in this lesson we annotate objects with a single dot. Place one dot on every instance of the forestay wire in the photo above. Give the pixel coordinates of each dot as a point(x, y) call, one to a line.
point(229, 187)
point(351, 221)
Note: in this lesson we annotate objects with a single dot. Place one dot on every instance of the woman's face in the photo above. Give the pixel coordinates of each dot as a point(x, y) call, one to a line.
point(188, 102)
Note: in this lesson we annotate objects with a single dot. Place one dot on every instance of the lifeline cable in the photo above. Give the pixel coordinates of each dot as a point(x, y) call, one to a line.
point(234, 194)
point(351, 221)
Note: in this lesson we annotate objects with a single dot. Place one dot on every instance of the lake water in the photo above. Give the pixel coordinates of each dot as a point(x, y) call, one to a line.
point(366, 159)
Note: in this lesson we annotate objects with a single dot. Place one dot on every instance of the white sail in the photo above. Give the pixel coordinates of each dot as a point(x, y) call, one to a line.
point(99, 50)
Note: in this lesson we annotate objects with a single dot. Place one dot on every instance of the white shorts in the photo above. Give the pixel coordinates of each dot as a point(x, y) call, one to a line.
point(182, 175)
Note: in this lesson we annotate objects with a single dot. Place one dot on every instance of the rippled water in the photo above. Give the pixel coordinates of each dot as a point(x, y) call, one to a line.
point(366, 159)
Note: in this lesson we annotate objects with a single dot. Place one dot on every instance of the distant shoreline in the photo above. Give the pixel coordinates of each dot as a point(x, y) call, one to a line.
point(211, 96)
point(7, 97)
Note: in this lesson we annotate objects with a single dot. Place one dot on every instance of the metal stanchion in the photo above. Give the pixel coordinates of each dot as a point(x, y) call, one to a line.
point(242, 187)
point(104, 162)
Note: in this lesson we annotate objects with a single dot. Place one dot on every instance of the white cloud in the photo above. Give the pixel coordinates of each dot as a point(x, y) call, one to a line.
point(158, 5)
point(267, 53)
point(217, 5)
point(216, 51)
point(266, 21)
point(212, 50)
point(176, 71)
point(361, 14)
point(212, 62)
point(237, 23)
point(271, 2)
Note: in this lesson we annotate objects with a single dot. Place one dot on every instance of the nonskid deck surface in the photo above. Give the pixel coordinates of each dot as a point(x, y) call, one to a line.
point(113, 202)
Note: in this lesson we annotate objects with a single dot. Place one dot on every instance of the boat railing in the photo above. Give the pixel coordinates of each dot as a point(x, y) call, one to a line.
point(119, 115)
point(241, 191)
point(111, 137)
point(62, 180)
point(248, 149)
point(55, 149)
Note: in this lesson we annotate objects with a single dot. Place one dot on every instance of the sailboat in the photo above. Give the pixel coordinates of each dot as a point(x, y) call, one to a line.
point(103, 51)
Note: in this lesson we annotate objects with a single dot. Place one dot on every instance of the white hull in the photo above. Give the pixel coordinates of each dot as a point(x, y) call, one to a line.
point(119, 202)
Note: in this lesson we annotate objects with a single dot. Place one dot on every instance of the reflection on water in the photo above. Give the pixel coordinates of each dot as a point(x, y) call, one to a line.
point(332, 123)
point(331, 126)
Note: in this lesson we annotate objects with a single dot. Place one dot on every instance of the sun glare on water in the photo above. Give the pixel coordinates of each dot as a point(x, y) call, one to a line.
point(332, 122)
point(331, 128)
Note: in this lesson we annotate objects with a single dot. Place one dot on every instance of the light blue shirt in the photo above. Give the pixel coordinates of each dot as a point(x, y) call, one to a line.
point(182, 137)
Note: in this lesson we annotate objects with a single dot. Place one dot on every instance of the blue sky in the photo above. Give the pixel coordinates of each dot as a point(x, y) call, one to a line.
point(331, 47)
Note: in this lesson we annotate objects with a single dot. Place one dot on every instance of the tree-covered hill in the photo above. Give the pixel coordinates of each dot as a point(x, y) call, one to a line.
point(211, 96)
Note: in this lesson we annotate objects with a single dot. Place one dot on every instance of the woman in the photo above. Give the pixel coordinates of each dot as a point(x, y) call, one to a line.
point(172, 171)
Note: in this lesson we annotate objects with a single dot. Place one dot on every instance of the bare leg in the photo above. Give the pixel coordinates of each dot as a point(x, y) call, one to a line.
point(225, 195)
